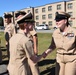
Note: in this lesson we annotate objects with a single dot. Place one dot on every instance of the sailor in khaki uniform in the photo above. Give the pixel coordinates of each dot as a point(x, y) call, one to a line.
point(33, 36)
point(64, 39)
point(9, 30)
point(21, 49)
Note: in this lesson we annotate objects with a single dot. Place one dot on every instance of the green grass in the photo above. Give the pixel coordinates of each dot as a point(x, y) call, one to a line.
point(2, 39)
point(47, 65)
point(3, 47)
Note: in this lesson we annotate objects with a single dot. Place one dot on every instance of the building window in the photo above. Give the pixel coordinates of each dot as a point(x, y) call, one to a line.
point(43, 22)
point(37, 17)
point(49, 16)
point(71, 13)
point(28, 11)
point(43, 16)
point(59, 7)
point(43, 9)
point(70, 5)
point(36, 10)
point(49, 8)
point(50, 23)
point(37, 23)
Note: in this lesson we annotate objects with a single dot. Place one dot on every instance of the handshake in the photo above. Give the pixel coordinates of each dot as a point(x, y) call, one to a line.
point(43, 55)
point(36, 58)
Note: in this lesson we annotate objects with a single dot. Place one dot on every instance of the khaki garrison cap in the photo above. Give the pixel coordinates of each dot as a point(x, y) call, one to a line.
point(26, 18)
point(61, 15)
point(7, 15)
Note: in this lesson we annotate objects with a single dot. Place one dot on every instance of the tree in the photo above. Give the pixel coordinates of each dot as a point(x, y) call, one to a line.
point(1, 21)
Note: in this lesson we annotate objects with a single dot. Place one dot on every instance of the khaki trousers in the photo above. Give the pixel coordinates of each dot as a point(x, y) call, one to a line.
point(65, 66)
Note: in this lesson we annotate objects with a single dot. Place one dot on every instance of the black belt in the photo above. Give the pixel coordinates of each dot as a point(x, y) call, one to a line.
point(66, 53)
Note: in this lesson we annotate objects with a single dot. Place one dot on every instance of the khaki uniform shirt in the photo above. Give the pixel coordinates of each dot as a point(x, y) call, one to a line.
point(9, 31)
point(20, 51)
point(65, 42)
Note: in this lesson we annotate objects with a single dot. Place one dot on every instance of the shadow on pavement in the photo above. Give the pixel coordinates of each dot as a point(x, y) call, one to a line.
point(3, 48)
point(49, 70)
point(5, 73)
point(4, 62)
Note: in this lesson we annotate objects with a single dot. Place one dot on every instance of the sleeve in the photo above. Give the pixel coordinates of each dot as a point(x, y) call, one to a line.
point(28, 47)
point(52, 45)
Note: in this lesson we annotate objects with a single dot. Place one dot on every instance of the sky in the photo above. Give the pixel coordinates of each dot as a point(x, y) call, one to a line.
point(14, 5)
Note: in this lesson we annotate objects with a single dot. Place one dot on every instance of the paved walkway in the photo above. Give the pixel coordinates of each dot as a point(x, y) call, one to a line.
point(3, 63)
point(3, 69)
